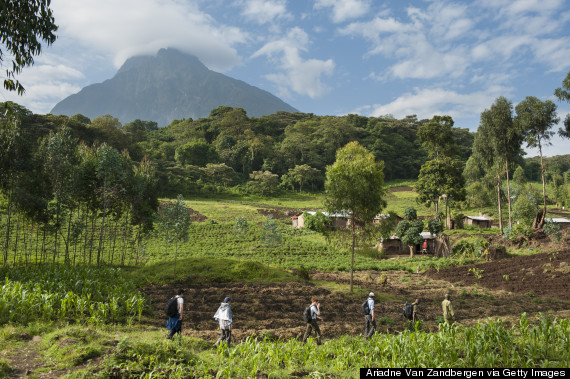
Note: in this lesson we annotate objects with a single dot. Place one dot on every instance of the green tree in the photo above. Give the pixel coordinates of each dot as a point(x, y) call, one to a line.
point(60, 159)
point(435, 226)
point(174, 224)
point(437, 137)
point(263, 182)
point(355, 184)
point(439, 177)
point(524, 210)
point(498, 143)
point(519, 176)
point(301, 174)
point(536, 118)
point(563, 94)
point(197, 153)
point(409, 233)
point(24, 24)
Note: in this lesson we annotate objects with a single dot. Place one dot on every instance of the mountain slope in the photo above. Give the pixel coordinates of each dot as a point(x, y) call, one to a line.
point(168, 86)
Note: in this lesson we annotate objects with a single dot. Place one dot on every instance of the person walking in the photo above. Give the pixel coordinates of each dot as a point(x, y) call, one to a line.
point(448, 314)
point(174, 322)
point(224, 317)
point(315, 308)
point(369, 319)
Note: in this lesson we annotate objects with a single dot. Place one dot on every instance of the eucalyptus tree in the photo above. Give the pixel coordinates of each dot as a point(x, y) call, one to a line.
point(173, 224)
point(111, 172)
point(14, 154)
point(60, 159)
point(355, 185)
point(498, 143)
point(563, 94)
point(536, 118)
point(143, 198)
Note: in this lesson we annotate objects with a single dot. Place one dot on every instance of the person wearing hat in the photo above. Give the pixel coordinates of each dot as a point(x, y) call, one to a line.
point(224, 317)
point(369, 320)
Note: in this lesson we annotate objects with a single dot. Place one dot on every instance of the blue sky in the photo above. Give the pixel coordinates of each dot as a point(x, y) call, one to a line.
point(328, 57)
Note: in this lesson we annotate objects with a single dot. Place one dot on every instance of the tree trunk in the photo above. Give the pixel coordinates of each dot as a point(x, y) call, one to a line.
point(509, 195)
point(17, 237)
point(541, 221)
point(7, 240)
point(352, 255)
point(175, 255)
point(411, 251)
point(499, 202)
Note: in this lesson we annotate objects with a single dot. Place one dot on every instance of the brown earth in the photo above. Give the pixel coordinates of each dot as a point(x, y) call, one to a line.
point(545, 275)
point(535, 285)
point(401, 189)
point(280, 213)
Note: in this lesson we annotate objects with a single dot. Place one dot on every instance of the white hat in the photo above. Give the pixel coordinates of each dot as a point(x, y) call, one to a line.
point(371, 294)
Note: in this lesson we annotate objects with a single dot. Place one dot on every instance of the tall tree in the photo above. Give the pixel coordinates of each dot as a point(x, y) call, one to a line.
point(563, 94)
point(173, 223)
point(437, 137)
point(355, 185)
point(24, 24)
point(536, 118)
point(498, 142)
point(439, 177)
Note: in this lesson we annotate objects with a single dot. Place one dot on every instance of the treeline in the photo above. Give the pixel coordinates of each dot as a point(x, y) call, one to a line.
point(64, 199)
point(228, 149)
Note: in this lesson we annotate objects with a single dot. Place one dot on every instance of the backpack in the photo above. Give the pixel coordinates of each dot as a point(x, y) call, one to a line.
point(171, 307)
point(365, 308)
point(307, 314)
point(408, 311)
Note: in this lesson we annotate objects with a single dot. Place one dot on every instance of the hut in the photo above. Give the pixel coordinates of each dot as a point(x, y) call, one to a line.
point(339, 220)
point(480, 221)
point(563, 222)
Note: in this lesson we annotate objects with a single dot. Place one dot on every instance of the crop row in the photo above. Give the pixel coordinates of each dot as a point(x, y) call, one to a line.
point(545, 343)
point(54, 292)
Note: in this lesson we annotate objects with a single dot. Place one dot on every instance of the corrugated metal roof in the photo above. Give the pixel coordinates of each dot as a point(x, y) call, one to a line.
point(478, 218)
point(558, 220)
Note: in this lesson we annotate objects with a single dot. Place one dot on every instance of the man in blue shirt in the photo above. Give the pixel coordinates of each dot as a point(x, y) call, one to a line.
point(312, 324)
point(369, 319)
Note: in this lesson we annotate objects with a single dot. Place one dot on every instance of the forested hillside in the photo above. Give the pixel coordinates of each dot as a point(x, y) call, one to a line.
point(229, 148)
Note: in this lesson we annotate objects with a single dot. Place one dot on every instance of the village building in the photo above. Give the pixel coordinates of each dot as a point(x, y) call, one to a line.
point(480, 221)
point(339, 220)
point(563, 222)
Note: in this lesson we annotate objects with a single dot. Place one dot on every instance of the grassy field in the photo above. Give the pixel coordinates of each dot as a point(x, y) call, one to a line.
point(95, 322)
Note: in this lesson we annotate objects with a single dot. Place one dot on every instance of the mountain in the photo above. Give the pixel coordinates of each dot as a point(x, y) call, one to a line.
point(171, 85)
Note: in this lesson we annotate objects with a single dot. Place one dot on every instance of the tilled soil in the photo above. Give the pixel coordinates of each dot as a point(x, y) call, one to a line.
point(545, 275)
point(275, 310)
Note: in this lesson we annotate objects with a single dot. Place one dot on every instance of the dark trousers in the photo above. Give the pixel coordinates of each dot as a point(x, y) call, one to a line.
point(175, 327)
point(370, 326)
point(310, 326)
point(225, 335)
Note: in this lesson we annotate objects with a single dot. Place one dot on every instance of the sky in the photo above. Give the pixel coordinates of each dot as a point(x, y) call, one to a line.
point(327, 57)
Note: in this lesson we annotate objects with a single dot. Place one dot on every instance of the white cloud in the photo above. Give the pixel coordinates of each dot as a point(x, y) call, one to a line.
point(298, 75)
point(265, 11)
point(48, 81)
point(343, 10)
point(125, 28)
point(425, 103)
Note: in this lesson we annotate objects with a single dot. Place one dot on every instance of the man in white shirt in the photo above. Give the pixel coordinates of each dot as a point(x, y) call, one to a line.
point(369, 319)
point(312, 324)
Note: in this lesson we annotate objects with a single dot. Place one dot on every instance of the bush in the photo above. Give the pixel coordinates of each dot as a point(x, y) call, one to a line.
point(318, 222)
point(304, 273)
point(553, 230)
point(458, 220)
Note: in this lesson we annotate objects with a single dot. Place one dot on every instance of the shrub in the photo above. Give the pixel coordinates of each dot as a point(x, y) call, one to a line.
point(458, 220)
point(553, 230)
point(304, 273)
point(318, 222)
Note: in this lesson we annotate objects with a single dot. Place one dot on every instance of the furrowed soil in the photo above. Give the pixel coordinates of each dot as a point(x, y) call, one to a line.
point(506, 288)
